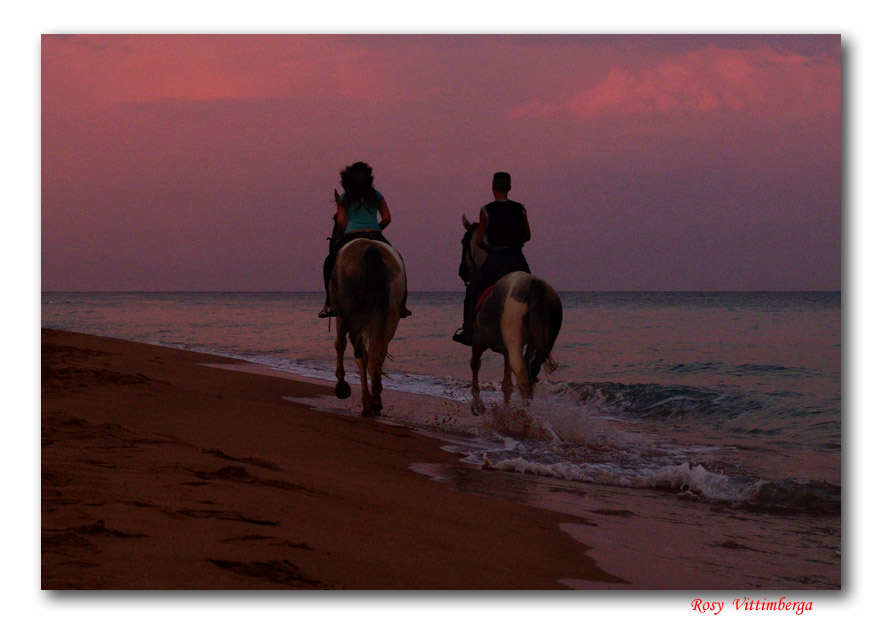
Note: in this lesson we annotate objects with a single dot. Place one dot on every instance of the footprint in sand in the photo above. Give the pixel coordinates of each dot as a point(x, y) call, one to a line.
point(233, 516)
point(283, 572)
point(260, 538)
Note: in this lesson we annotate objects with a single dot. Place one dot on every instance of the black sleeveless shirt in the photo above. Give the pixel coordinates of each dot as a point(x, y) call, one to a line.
point(505, 224)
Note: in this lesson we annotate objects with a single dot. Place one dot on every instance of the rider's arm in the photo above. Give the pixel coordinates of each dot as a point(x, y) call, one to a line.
point(341, 213)
point(384, 213)
point(527, 229)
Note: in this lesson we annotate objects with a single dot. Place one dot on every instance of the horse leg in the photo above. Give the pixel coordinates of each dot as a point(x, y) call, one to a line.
point(375, 369)
point(477, 406)
point(343, 390)
point(506, 384)
point(518, 366)
point(361, 360)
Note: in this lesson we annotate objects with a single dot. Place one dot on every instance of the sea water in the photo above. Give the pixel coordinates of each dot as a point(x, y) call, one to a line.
point(721, 412)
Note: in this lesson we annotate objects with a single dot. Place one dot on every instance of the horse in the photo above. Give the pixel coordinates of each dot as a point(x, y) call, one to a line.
point(519, 317)
point(367, 289)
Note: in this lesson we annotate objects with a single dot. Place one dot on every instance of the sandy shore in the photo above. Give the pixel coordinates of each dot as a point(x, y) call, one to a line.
point(161, 473)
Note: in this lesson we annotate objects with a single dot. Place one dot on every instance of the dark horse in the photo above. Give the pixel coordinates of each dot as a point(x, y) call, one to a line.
point(367, 289)
point(519, 318)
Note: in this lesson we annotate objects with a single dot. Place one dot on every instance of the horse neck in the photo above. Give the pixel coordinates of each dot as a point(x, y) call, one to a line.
point(477, 253)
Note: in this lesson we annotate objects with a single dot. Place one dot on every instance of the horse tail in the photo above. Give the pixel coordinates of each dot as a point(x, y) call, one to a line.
point(542, 328)
point(375, 297)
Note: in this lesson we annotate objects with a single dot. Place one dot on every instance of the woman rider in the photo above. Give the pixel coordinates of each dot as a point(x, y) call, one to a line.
point(358, 213)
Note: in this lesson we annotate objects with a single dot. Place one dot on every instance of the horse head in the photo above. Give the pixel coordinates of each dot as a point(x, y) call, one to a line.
point(472, 255)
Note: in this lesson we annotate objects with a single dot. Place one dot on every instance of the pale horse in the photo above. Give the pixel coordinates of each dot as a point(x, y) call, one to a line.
point(519, 318)
point(367, 290)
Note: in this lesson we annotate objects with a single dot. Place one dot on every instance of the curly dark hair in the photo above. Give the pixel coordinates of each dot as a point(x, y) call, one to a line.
point(357, 182)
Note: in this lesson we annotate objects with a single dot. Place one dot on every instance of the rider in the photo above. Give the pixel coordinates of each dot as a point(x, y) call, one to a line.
point(357, 212)
point(502, 232)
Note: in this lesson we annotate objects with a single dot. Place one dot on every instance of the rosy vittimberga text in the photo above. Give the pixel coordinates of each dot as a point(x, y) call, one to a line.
point(745, 604)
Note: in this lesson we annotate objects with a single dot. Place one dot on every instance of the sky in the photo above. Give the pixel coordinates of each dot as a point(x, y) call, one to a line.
point(646, 162)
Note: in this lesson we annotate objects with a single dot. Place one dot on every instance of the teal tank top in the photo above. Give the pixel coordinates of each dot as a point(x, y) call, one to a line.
point(361, 217)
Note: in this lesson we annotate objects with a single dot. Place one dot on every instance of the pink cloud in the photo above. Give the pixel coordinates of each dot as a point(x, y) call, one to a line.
point(761, 82)
point(96, 72)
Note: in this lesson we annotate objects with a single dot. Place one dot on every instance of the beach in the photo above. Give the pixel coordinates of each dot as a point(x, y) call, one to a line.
point(665, 474)
point(159, 472)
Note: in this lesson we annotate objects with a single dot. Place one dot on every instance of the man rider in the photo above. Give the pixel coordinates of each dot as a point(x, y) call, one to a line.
point(502, 231)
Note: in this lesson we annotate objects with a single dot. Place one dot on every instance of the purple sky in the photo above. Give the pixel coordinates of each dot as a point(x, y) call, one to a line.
point(648, 162)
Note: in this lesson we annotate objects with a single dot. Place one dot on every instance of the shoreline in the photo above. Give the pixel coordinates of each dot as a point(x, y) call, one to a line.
point(209, 478)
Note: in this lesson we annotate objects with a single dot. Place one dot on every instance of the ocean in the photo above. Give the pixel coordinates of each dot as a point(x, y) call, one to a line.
point(699, 430)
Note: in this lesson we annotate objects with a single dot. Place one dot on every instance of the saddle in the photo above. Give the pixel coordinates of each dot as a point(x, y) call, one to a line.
point(483, 296)
point(339, 238)
point(509, 269)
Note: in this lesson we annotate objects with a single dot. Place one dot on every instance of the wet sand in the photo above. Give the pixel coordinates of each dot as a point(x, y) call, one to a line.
point(161, 473)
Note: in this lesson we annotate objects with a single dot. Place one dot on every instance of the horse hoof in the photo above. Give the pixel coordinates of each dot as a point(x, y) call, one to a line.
point(343, 390)
point(477, 407)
